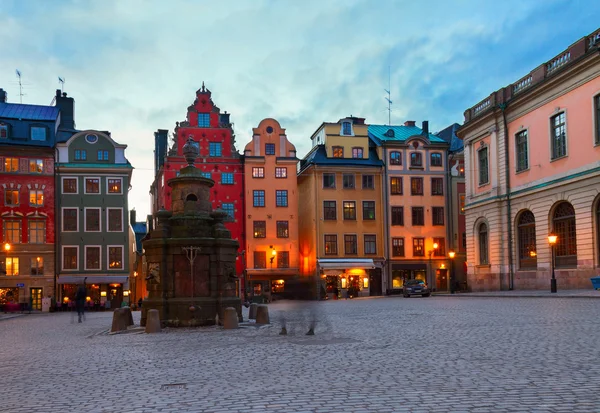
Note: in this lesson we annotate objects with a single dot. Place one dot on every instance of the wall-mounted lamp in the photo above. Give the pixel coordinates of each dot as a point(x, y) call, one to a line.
point(102, 293)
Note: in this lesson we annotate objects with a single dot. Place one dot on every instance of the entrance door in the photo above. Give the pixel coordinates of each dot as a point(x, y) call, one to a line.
point(442, 280)
point(375, 287)
point(115, 295)
point(36, 298)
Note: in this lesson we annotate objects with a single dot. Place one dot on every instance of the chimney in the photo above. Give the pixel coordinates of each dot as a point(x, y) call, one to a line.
point(409, 123)
point(425, 128)
point(132, 217)
point(2, 96)
point(224, 118)
point(66, 106)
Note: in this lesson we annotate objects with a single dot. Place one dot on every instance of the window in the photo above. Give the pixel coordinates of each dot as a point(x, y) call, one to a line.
point(11, 197)
point(437, 215)
point(597, 112)
point(283, 229)
point(522, 157)
point(36, 197)
point(350, 245)
point(92, 185)
point(226, 178)
point(368, 210)
point(348, 181)
point(260, 259)
point(418, 217)
point(69, 185)
point(329, 181)
point(418, 247)
point(559, 135)
point(395, 158)
point(11, 165)
point(103, 155)
point(70, 258)
point(280, 172)
point(12, 231)
point(36, 166)
point(92, 258)
point(260, 229)
point(37, 232)
point(70, 220)
point(396, 186)
point(370, 244)
point(563, 222)
point(330, 244)
point(283, 259)
point(80, 155)
point(12, 266)
point(346, 128)
point(114, 185)
point(483, 244)
point(397, 247)
point(357, 153)
point(338, 152)
point(92, 219)
point(206, 175)
point(281, 198)
point(203, 120)
point(91, 138)
point(258, 198)
point(349, 210)
point(368, 182)
point(258, 172)
point(269, 149)
point(214, 148)
point(416, 159)
point(3, 131)
point(526, 234)
point(115, 257)
point(440, 251)
point(483, 166)
point(436, 159)
point(397, 215)
point(329, 211)
point(228, 207)
point(37, 266)
point(115, 219)
point(416, 186)
point(38, 133)
point(437, 186)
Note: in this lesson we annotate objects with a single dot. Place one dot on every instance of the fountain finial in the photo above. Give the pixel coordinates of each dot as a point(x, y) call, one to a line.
point(191, 150)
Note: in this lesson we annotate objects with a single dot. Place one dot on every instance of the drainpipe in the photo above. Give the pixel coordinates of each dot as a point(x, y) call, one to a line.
point(386, 228)
point(57, 195)
point(503, 107)
point(450, 208)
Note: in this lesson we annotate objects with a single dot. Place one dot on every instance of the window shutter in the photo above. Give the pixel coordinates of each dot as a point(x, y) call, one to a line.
point(1, 164)
point(23, 165)
point(48, 166)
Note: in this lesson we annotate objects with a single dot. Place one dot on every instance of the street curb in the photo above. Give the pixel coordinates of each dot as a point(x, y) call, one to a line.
point(475, 295)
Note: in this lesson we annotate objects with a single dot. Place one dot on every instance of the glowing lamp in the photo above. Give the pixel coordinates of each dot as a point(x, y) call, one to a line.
point(451, 254)
point(552, 239)
point(102, 293)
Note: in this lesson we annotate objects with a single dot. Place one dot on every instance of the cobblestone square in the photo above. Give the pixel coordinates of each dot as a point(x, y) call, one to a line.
point(437, 354)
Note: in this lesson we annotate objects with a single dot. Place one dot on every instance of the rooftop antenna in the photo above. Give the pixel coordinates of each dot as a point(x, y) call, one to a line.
point(62, 83)
point(388, 98)
point(20, 86)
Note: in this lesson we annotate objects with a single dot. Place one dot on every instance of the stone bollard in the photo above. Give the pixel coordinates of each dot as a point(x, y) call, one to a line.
point(119, 322)
point(262, 314)
point(252, 311)
point(128, 315)
point(230, 319)
point(152, 322)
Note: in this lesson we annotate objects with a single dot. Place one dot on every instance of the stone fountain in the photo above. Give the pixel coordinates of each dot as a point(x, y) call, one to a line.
point(190, 255)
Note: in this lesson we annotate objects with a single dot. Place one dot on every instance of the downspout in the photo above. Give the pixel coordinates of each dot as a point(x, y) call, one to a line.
point(386, 227)
point(503, 107)
point(57, 223)
point(449, 205)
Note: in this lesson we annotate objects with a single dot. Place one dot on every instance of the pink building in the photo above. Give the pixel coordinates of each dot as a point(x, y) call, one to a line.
point(532, 161)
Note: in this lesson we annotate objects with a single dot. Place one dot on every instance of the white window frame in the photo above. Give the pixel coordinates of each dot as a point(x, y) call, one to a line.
point(557, 112)
point(108, 220)
point(107, 187)
point(108, 247)
point(62, 258)
point(62, 219)
point(516, 160)
point(85, 219)
point(342, 127)
point(478, 152)
point(62, 185)
point(99, 259)
point(99, 185)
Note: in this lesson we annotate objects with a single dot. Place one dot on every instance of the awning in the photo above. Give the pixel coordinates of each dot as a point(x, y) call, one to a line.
point(343, 263)
point(93, 279)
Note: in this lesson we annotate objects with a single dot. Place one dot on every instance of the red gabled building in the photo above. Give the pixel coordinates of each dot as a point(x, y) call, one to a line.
point(219, 160)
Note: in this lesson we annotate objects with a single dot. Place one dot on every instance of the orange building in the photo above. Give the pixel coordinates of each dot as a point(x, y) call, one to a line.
point(271, 197)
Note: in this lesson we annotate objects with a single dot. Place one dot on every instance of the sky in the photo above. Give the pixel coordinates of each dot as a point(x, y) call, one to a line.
point(133, 66)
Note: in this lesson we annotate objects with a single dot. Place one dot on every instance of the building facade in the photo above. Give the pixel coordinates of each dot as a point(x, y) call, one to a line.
point(341, 214)
point(532, 156)
point(93, 180)
point(415, 194)
point(271, 198)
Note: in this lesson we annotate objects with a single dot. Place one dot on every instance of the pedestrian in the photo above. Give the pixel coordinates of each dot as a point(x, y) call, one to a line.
point(80, 297)
point(140, 303)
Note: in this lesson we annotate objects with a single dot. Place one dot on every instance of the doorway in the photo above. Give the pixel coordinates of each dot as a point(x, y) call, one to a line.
point(375, 287)
point(115, 295)
point(441, 283)
point(36, 298)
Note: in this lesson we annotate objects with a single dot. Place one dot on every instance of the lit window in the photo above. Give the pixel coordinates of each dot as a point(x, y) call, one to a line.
point(115, 258)
point(260, 229)
point(258, 172)
point(36, 166)
point(227, 178)
point(11, 165)
point(396, 186)
point(338, 152)
point(416, 186)
point(12, 232)
point(368, 210)
point(282, 229)
point(398, 247)
point(203, 120)
point(38, 133)
point(214, 149)
point(12, 266)
point(440, 251)
point(280, 172)
point(114, 185)
point(36, 197)
point(418, 247)
point(37, 232)
point(11, 197)
point(349, 210)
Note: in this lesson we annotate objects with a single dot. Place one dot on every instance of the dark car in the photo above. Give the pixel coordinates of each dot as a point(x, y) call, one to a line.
point(416, 287)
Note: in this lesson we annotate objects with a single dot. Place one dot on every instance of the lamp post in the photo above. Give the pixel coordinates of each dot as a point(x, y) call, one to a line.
point(432, 280)
point(135, 274)
point(451, 254)
point(552, 241)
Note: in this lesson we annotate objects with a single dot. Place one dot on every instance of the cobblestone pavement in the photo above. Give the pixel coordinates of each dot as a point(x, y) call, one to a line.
point(437, 354)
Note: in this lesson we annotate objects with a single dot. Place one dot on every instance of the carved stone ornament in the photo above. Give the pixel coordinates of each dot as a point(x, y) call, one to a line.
point(191, 150)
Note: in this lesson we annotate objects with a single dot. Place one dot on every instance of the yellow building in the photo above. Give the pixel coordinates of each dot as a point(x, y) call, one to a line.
point(341, 213)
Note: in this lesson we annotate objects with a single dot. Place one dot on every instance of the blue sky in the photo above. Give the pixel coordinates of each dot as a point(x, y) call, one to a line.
point(133, 66)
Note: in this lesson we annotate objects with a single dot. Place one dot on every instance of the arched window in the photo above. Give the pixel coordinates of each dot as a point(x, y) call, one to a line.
point(483, 244)
point(563, 223)
point(527, 249)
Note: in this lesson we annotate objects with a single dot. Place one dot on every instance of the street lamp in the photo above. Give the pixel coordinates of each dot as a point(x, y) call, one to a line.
point(274, 254)
point(432, 280)
point(451, 254)
point(552, 241)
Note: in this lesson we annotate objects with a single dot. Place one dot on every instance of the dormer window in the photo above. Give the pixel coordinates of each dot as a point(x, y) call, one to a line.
point(203, 120)
point(357, 153)
point(38, 133)
point(80, 155)
point(3, 131)
point(346, 128)
point(416, 159)
point(338, 152)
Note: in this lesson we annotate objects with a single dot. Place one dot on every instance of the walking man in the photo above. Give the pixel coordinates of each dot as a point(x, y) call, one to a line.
point(80, 297)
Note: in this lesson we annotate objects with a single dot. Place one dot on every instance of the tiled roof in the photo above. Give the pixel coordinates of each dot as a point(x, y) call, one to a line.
point(28, 112)
point(449, 135)
point(398, 133)
point(318, 156)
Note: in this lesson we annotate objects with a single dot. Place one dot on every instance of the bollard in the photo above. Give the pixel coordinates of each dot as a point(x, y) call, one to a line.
point(230, 319)
point(128, 315)
point(262, 314)
point(152, 322)
point(119, 322)
point(252, 311)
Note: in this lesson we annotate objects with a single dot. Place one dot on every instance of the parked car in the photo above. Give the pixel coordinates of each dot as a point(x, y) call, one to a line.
point(416, 287)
